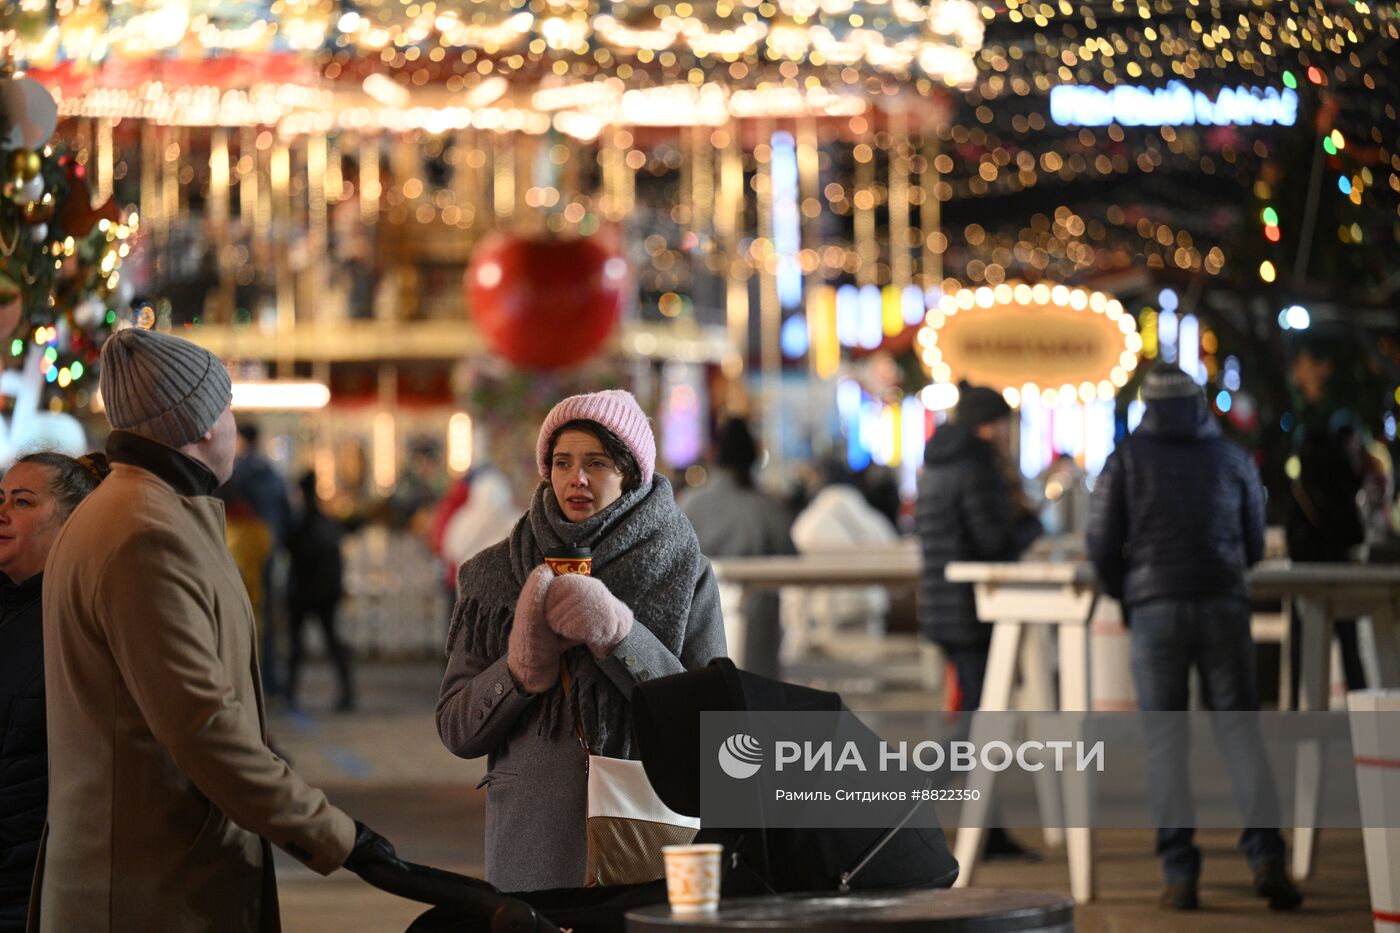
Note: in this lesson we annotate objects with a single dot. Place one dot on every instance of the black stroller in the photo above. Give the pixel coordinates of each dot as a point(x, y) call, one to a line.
point(758, 860)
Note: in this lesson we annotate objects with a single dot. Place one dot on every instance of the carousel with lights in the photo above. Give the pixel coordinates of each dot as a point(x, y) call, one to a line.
point(779, 205)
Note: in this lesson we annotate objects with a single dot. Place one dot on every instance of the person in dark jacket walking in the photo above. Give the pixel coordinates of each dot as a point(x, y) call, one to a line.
point(1176, 519)
point(1324, 521)
point(256, 492)
point(970, 507)
point(315, 587)
point(36, 497)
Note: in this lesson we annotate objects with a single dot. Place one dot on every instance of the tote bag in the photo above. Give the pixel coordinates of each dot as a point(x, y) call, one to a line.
point(627, 823)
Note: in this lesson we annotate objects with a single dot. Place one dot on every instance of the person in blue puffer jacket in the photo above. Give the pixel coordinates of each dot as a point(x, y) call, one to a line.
point(1176, 518)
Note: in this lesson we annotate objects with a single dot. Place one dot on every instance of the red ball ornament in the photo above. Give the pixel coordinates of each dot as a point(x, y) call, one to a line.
point(543, 303)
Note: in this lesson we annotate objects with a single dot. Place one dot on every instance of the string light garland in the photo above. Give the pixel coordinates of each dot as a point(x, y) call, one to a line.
point(1335, 57)
point(1108, 43)
point(1106, 198)
point(622, 61)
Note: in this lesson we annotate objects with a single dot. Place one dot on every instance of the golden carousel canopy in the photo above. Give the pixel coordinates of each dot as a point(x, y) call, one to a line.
point(579, 65)
point(573, 65)
point(796, 55)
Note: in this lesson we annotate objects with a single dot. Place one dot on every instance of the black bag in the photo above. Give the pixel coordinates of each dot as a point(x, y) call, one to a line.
point(758, 860)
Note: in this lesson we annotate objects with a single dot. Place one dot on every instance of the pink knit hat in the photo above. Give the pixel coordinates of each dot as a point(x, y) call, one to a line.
point(615, 409)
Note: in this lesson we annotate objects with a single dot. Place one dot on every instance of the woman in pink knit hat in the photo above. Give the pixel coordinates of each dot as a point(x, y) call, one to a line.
point(650, 608)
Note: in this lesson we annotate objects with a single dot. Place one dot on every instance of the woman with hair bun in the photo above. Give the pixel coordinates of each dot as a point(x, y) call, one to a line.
point(37, 495)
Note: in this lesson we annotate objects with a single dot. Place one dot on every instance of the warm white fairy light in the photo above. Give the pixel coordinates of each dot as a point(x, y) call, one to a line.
point(459, 442)
point(385, 452)
point(280, 395)
point(195, 105)
point(731, 43)
point(496, 37)
point(622, 36)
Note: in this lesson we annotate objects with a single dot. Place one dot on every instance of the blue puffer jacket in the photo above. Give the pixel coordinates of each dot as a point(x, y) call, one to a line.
point(1178, 512)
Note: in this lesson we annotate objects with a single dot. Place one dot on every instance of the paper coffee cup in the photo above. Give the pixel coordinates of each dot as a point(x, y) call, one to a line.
point(692, 877)
point(563, 560)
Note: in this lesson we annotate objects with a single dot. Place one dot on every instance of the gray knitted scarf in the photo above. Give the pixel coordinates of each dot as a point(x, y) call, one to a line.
point(646, 552)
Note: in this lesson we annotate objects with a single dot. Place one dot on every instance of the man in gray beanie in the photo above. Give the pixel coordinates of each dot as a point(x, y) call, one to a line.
point(1176, 518)
point(164, 796)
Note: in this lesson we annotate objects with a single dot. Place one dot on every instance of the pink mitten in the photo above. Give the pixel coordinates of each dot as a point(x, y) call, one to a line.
point(532, 650)
point(583, 609)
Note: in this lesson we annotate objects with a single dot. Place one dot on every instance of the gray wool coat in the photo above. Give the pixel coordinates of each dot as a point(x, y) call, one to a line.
point(536, 782)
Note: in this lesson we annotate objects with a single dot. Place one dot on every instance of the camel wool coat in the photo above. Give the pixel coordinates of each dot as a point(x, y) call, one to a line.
point(163, 792)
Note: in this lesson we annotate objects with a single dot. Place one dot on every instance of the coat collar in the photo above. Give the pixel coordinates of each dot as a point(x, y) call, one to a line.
point(188, 476)
point(18, 594)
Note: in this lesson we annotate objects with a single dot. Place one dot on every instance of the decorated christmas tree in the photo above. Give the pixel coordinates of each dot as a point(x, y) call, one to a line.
point(60, 261)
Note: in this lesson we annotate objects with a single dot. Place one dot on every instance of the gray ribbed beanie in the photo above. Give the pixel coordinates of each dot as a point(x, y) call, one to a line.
point(1166, 381)
point(162, 387)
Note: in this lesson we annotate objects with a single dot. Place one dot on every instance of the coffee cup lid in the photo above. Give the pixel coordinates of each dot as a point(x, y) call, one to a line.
point(569, 552)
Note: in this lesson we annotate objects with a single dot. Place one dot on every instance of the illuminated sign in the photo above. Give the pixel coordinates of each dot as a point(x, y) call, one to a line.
point(1020, 337)
point(1173, 105)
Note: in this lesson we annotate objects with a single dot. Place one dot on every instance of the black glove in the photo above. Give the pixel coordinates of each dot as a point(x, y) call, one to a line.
point(371, 849)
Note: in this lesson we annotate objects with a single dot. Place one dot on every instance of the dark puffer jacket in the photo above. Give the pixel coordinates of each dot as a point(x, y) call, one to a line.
point(24, 766)
point(317, 571)
point(1323, 520)
point(1178, 512)
point(964, 512)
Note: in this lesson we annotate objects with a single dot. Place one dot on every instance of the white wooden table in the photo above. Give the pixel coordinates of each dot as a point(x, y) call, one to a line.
point(1022, 599)
point(1321, 594)
point(897, 565)
point(892, 566)
point(1012, 595)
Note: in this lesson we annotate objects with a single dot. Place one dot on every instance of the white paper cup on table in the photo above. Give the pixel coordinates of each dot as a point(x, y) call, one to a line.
point(692, 877)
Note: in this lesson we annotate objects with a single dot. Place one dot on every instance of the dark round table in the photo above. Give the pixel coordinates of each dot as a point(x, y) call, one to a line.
point(963, 910)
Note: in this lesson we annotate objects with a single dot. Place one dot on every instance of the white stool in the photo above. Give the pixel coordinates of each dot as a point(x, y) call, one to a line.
point(1315, 692)
point(1024, 644)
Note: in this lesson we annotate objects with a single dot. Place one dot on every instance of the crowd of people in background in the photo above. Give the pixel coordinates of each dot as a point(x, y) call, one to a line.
point(732, 518)
point(141, 624)
point(1340, 503)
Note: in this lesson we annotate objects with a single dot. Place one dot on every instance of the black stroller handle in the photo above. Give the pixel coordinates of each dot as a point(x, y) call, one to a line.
point(447, 889)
